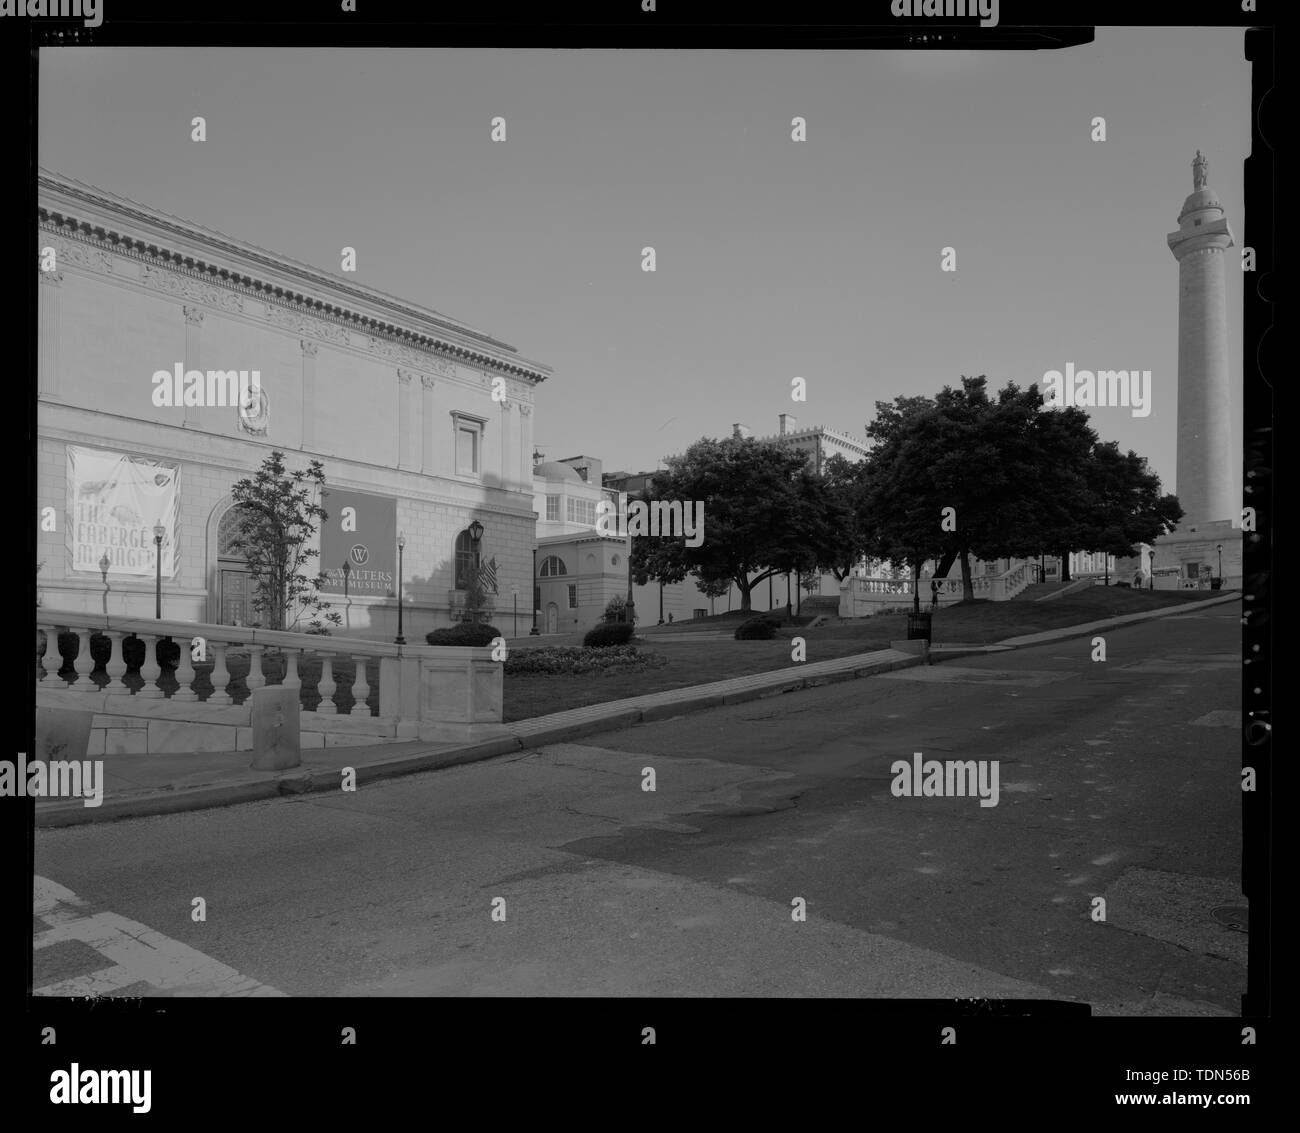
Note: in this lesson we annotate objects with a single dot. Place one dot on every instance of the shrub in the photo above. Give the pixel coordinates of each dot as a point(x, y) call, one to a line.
point(757, 629)
point(466, 633)
point(615, 609)
point(610, 633)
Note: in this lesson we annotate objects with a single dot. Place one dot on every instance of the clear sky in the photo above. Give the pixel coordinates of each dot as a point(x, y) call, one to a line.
point(775, 259)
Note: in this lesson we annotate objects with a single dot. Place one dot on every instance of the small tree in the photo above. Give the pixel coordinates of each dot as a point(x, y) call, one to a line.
point(278, 515)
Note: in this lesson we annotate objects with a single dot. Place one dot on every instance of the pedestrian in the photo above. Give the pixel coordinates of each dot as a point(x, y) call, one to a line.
point(934, 593)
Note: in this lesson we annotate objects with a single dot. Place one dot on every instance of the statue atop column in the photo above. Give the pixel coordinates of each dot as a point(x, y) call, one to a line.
point(1199, 175)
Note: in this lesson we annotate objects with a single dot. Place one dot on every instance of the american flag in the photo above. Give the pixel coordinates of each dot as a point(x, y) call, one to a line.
point(487, 576)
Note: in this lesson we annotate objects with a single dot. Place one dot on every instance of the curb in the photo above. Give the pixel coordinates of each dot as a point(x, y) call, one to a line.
point(1082, 630)
point(300, 781)
point(306, 780)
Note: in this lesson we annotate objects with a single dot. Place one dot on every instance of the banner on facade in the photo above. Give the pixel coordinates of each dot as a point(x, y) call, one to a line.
point(362, 531)
point(114, 502)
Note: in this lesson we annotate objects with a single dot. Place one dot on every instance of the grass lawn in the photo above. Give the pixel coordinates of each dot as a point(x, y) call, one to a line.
point(693, 662)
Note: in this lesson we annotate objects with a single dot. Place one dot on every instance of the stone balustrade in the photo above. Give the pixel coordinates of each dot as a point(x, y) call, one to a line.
point(862, 597)
point(390, 692)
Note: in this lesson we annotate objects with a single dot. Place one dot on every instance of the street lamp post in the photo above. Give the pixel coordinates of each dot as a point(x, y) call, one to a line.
point(158, 532)
point(347, 601)
point(401, 548)
point(534, 631)
point(661, 601)
point(630, 610)
point(104, 564)
point(476, 538)
point(1219, 548)
point(514, 590)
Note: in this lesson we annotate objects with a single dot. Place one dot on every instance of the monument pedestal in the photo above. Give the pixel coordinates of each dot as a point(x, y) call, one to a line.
point(1193, 551)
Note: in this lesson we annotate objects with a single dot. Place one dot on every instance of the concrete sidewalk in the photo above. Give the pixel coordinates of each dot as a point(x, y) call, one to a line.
point(138, 785)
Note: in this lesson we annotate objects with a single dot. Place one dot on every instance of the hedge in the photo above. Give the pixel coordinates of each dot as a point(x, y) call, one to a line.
point(609, 633)
point(466, 633)
point(756, 629)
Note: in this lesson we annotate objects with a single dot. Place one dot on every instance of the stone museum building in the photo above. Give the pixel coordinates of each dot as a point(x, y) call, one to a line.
point(174, 359)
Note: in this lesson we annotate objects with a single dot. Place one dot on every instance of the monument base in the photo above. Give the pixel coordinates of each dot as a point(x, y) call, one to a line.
point(1188, 558)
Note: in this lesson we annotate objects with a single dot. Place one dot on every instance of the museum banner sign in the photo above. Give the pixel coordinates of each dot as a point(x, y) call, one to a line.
point(361, 530)
point(114, 501)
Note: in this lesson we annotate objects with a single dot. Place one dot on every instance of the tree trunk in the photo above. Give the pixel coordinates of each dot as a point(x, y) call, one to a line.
point(945, 564)
point(1065, 566)
point(744, 589)
point(967, 585)
point(916, 588)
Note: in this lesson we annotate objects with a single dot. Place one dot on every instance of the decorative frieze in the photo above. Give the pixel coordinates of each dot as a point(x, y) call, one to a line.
point(173, 283)
point(193, 315)
point(306, 325)
point(84, 256)
point(417, 360)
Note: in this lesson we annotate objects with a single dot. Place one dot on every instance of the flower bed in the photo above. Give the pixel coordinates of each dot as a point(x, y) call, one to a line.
point(550, 660)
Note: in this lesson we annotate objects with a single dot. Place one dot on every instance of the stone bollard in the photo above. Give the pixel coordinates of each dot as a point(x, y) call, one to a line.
point(276, 744)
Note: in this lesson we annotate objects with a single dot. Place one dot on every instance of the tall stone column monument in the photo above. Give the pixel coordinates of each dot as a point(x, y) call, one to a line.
point(1208, 539)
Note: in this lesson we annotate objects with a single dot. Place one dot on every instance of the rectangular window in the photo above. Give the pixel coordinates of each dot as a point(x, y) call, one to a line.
point(467, 452)
point(581, 511)
point(573, 596)
point(553, 507)
point(468, 442)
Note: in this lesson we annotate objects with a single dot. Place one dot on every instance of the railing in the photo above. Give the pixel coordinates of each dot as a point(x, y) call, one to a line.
point(387, 692)
point(860, 597)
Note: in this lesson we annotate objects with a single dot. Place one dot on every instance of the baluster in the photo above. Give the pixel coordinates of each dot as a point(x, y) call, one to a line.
point(115, 666)
point(220, 675)
point(326, 687)
point(256, 678)
point(150, 670)
point(360, 690)
point(84, 663)
point(185, 674)
point(291, 677)
point(44, 635)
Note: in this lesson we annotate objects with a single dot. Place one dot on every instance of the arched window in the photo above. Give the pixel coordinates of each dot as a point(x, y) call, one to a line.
point(227, 533)
point(553, 565)
point(467, 561)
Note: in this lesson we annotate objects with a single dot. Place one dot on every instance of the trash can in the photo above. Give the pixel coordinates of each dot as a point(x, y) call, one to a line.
point(918, 625)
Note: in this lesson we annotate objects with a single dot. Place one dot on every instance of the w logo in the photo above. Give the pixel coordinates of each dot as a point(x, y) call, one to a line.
point(359, 554)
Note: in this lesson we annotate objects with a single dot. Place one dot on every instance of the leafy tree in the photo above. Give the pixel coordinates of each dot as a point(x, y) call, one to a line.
point(845, 490)
point(1125, 504)
point(277, 517)
point(764, 515)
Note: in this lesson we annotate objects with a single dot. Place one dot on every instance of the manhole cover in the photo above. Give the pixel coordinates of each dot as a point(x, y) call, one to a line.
point(1233, 916)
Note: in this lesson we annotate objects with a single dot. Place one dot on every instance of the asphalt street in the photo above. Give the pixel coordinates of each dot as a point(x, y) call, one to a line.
point(552, 872)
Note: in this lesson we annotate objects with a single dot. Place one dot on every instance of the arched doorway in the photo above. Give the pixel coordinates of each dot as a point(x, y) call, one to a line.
point(234, 581)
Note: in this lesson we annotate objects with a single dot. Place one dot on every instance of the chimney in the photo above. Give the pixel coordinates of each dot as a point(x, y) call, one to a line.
point(788, 421)
point(739, 430)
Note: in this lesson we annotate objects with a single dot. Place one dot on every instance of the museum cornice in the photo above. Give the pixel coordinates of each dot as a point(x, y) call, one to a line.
point(443, 341)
